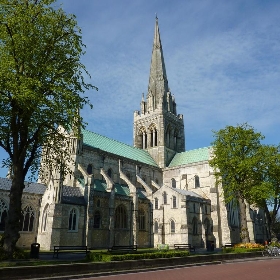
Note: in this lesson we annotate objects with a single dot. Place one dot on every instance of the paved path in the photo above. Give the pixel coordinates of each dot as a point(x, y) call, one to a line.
point(265, 269)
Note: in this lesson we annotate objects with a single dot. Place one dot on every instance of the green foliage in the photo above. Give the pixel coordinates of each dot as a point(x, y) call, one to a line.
point(42, 89)
point(105, 257)
point(236, 160)
point(240, 250)
point(1, 240)
point(247, 170)
point(163, 247)
point(42, 78)
point(18, 254)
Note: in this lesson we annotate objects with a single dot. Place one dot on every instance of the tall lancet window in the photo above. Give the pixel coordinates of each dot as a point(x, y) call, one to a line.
point(144, 138)
point(153, 135)
point(175, 139)
point(27, 218)
point(168, 136)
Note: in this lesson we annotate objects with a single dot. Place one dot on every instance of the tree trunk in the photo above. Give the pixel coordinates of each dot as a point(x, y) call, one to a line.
point(244, 233)
point(12, 225)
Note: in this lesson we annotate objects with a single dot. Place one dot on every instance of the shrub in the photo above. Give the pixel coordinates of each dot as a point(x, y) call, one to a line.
point(105, 257)
point(18, 254)
point(1, 240)
point(156, 255)
point(244, 247)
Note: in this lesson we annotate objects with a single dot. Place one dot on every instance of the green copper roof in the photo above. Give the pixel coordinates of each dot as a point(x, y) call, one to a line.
point(191, 156)
point(117, 148)
point(119, 189)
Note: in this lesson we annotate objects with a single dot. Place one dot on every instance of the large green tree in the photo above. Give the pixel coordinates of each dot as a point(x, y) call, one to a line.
point(236, 161)
point(267, 194)
point(42, 87)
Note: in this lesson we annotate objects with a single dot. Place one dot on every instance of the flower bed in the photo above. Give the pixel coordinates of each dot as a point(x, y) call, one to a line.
point(244, 247)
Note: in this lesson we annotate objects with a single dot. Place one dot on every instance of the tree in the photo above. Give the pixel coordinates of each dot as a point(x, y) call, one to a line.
point(41, 87)
point(236, 155)
point(276, 226)
point(267, 194)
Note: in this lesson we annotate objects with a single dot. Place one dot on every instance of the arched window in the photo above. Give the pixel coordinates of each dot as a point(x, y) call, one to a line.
point(156, 203)
point(45, 218)
point(145, 140)
point(194, 226)
point(175, 140)
point(120, 217)
point(172, 226)
point(153, 135)
point(164, 198)
point(142, 219)
point(73, 220)
point(156, 227)
point(3, 214)
point(110, 172)
point(27, 219)
point(168, 136)
point(196, 181)
point(173, 183)
point(207, 226)
point(97, 220)
point(174, 201)
point(89, 169)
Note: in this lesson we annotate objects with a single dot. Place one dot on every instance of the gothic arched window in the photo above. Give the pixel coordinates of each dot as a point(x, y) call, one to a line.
point(175, 140)
point(153, 135)
point(110, 172)
point(172, 226)
point(164, 198)
point(196, 181)
point(168, 137)
point(156, 227)
point(3, 214)
point(174, 201)
point(73, 220)
point(142, 219)
point(89, 169)
point(97, 220)
point(27, 219)
point(207, 227)
point(194, 226)
point(156, 203)
point(120, 217)
point(173, 183)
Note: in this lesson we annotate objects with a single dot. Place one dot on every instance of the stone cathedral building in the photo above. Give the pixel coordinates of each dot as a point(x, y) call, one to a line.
point(151, 193)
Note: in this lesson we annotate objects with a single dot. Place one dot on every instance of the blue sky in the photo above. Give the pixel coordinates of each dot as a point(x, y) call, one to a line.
point(222, 61)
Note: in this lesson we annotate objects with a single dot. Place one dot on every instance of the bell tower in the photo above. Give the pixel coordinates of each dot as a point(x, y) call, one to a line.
point(157, 127)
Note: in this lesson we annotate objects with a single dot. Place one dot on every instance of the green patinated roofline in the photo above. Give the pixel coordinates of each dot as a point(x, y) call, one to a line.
point(106, 144)
point(119, 189)
point(191, 156)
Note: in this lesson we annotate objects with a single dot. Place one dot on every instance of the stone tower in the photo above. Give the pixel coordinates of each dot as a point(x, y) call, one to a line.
point(157, 127)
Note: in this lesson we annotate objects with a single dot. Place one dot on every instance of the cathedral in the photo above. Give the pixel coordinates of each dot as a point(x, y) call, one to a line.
point(152, 193)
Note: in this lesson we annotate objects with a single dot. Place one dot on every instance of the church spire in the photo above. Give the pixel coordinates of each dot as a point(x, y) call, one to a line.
point(158, 83)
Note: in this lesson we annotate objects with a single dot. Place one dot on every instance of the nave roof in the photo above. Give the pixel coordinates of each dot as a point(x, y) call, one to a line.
point(106, 144)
